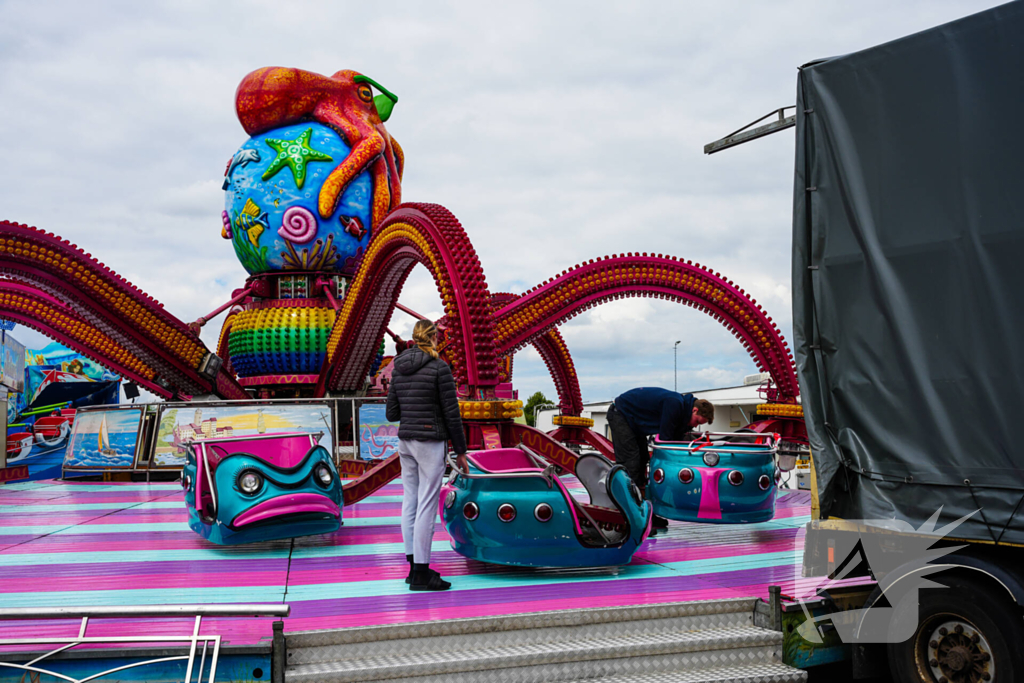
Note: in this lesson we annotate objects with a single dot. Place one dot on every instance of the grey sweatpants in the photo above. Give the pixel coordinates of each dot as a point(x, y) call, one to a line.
point(422, 471)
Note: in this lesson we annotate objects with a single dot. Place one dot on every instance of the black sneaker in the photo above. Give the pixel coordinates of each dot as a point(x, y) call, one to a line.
point(426, 579)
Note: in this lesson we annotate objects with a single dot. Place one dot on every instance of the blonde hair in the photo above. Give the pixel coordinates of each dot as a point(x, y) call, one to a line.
point(424, 333)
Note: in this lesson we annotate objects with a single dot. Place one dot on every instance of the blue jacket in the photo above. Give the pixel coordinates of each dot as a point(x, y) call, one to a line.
point(651, 410)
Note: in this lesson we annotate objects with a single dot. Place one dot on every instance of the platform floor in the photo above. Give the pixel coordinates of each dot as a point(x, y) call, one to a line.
point(77, 544)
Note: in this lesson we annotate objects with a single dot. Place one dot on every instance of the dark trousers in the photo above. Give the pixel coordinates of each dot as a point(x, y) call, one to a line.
point(630, 447)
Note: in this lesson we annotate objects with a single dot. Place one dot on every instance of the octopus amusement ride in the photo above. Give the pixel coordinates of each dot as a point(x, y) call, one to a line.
point(315, 215)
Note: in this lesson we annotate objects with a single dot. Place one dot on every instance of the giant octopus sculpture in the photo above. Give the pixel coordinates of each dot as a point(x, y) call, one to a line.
point(313, 210)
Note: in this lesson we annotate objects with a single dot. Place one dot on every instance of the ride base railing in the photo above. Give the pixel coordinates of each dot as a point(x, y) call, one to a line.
point(209, 643)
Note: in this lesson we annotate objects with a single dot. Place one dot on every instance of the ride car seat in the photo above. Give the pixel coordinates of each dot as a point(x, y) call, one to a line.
point(592, 471)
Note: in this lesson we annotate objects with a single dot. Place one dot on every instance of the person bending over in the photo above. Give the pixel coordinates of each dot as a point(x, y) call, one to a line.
point(647, 411)
point(422, 399)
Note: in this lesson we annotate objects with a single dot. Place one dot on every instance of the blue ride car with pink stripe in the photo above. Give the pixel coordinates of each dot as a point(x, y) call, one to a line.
point(721, 478)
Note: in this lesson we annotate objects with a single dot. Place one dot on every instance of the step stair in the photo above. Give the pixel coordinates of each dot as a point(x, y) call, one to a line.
point(693, 642)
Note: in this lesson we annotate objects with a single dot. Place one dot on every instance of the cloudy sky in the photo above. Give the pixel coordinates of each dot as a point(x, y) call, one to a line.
point(555, 131)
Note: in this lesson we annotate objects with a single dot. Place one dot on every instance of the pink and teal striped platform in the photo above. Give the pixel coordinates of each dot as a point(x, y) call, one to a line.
point(77, 544)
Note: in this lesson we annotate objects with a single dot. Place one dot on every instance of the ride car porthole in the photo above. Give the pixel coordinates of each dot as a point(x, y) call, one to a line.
point(735, 477)
point(506, 512)
point(470, 511)
point(543, 512)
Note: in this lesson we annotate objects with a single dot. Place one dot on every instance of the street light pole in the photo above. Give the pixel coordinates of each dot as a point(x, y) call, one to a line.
point(675, 365)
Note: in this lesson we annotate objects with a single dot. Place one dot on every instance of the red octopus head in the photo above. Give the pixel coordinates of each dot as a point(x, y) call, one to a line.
point(380, 106)
point(278, 96)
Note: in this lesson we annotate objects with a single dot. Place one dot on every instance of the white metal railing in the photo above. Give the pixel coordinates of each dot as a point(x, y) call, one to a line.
point(545, 470)
point(724, 442)
point(210, 643)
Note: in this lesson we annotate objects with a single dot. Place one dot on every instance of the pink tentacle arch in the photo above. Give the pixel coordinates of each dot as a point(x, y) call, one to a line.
point(29, 306)
point(556, 356)
point(522, 321)
point(136, 323)
point(430, 235)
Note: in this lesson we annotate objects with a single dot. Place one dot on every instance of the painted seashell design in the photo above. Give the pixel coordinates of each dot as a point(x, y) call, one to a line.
point(298, 225)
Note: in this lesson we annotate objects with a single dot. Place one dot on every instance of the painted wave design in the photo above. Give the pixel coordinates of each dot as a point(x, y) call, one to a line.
point(85, 452)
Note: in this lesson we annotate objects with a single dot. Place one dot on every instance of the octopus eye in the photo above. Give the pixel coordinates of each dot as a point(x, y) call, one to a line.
point(365, 94)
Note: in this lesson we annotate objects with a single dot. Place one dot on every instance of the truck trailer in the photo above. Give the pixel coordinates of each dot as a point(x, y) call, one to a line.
point(908, 258)
point(907, 261)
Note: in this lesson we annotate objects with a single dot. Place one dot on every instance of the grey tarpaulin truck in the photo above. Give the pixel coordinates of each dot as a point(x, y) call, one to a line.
point(908, 267)
point(908, 280)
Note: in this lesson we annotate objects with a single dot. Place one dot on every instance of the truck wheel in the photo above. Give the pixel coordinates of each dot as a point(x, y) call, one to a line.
point(966, 633)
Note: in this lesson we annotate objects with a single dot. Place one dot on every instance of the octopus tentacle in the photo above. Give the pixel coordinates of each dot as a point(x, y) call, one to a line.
point(394, 175)
point(399, 154)
point(331, 114)
point(390, 178)
point(363, 152)
point(381, 191)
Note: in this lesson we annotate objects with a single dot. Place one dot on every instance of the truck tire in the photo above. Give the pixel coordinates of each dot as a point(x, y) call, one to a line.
point(966, 633)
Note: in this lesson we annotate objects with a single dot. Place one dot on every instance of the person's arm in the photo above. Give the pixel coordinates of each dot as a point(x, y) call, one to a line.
point(393, 411)
point(450, 408)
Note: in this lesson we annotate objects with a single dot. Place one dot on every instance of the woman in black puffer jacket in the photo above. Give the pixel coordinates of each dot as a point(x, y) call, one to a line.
point(422, 399)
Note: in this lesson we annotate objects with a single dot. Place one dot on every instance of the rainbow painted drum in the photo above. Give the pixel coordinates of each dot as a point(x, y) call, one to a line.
point(261, 488)
point(723, 478)
point(511, 508)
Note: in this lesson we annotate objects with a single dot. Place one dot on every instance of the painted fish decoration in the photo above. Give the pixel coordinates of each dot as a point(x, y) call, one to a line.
point(241, 158)
point(353, 226)
point(252, 221)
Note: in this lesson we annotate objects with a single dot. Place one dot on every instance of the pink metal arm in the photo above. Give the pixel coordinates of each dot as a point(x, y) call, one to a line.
point(202, 320)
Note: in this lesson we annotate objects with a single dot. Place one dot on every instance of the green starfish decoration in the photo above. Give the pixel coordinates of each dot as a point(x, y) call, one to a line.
point(294, 154)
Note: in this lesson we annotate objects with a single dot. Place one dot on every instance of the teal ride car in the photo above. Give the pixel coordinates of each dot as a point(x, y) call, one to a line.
point(720, 478)
point(511, 508)
point(260, 488)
